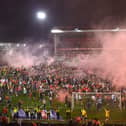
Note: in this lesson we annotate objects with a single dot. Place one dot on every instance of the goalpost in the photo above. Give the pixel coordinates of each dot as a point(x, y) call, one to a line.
point(107, 97)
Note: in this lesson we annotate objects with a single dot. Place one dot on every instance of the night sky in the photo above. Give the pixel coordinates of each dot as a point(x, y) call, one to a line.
point(18, 17)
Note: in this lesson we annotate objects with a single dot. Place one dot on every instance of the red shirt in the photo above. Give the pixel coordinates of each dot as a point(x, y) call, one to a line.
point(5, 110)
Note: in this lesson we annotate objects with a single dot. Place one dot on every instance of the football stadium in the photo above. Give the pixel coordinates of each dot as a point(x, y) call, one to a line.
point(62, 63)
point(79, 80)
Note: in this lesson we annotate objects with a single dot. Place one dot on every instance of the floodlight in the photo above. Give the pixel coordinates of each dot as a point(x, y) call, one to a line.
point(41, 15)
point(56, 31)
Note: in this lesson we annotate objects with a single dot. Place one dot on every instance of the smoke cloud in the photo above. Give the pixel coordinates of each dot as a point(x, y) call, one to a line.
point(110, 62)
point(62, 94)
point(27, 55)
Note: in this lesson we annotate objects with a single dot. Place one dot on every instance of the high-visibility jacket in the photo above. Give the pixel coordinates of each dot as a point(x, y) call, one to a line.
point(83, 112)
point(107, 113)
point(15, 110)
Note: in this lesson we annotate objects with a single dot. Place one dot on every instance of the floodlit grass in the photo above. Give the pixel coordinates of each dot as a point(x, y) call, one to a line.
point(31, 102)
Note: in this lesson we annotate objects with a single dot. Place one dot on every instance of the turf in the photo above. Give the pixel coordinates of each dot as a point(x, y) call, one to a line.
point(31, 102)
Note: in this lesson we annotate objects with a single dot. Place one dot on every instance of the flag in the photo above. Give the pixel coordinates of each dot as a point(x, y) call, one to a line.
point(21, 114)
point(44, 114)
point(53, 114)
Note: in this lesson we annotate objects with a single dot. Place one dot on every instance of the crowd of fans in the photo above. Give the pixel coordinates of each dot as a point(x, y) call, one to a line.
point(47, 80)
point(44, 77)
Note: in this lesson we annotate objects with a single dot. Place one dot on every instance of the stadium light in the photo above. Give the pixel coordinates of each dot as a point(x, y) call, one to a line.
point(56, 31)
point(77, 30)
point(18, 45)
point(24, 45)
point(41, 15)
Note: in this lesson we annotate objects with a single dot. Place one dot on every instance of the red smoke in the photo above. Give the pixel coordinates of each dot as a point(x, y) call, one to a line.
point(110, 63)
point(61, 95)
point(112, 60)
point(27, 56)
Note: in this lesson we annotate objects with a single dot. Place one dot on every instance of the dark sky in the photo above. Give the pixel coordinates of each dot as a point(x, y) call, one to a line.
point(18, 21)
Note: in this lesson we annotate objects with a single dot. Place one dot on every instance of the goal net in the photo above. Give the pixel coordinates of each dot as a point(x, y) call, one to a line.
point(96, 100)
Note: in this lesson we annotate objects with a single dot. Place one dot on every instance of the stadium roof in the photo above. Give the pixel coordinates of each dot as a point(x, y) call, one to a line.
point(60, 31)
